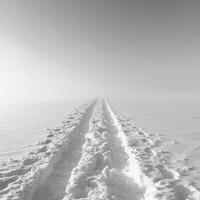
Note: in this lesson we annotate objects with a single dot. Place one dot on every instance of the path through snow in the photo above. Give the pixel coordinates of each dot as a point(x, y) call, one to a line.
point(96, 155)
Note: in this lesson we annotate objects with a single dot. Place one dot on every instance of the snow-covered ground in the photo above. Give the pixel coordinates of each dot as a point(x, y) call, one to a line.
point(22, 125)
point(97, 154)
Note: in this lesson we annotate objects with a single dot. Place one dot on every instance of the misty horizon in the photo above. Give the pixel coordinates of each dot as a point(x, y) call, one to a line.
point(70, 50)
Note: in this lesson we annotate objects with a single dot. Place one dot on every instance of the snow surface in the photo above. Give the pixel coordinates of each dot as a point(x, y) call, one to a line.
point(96, 154)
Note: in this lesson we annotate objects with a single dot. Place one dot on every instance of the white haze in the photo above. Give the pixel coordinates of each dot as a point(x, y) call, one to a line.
point(66, 50)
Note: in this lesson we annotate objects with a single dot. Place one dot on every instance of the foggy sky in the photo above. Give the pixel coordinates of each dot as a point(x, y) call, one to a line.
point(57, 50)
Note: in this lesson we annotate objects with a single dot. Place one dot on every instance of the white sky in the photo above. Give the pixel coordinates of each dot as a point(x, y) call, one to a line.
point(59, 50)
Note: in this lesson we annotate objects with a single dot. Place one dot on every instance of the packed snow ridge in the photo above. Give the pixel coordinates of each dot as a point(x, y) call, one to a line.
point(96, 154)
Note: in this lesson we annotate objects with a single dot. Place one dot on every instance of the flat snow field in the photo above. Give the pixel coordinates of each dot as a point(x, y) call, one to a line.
point(96, 154)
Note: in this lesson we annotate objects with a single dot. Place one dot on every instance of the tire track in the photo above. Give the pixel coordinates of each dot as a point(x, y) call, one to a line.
point(53, 188)
point(125, 187)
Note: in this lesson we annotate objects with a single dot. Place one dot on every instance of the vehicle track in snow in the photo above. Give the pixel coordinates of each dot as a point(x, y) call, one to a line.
point(102, 157)
point(102, 172)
